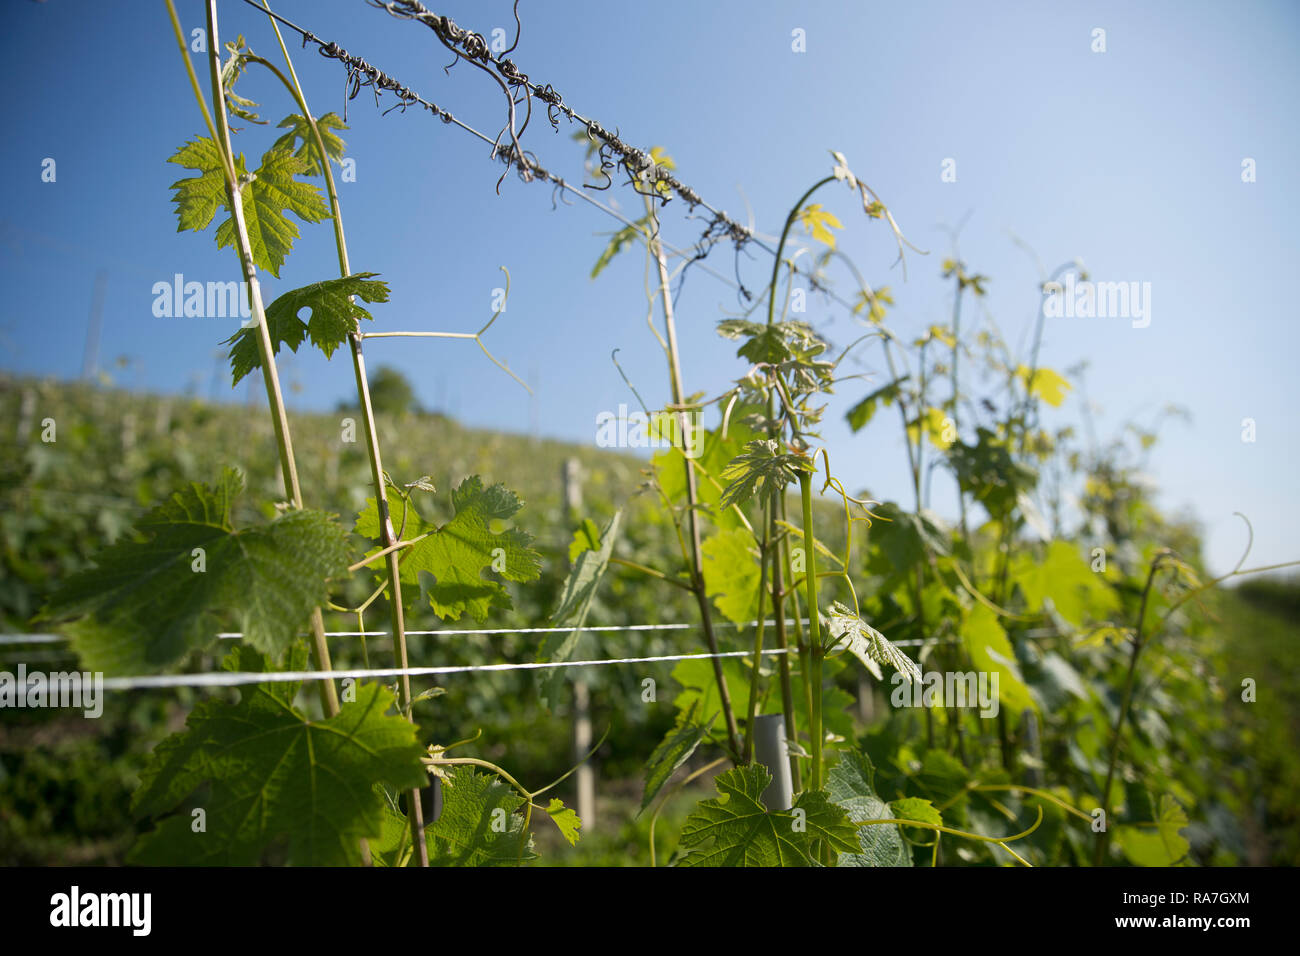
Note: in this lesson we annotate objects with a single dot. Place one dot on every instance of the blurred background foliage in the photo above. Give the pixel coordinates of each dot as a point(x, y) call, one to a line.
point(65, 782)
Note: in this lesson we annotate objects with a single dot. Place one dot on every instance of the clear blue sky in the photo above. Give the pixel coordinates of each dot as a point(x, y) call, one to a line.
point(1129, 159)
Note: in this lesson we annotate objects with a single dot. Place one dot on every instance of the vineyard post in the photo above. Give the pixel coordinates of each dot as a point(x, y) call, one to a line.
point(582, 735)
point(771, 751)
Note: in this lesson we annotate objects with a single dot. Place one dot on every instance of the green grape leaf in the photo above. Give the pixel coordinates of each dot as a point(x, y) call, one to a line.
point(698, 684)
point(1158, 842)
point(567, 820)
point(586, 538)
point(916, 808)
point(275, 774)
point(867, 644)
point(447, 564)
point(575, 602)
point(860, 414)
point(334, 315)
point(1048, 385)
point(851, 784)
point(479, 825)
point(618, 242)
point(773, 344)
point(268, 194)
point(901, 540)
point(1063, 577)
point(151, 599)
point(731, 573)
point(673, 751)
point(735, 829)
point(670, 469)
point(989, 471)
point(300, 141)
point(819, 223)
point(986, 643)
point(762, 470)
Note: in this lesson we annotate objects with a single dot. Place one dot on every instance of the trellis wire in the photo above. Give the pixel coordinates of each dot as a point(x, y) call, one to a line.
point(239, 678)
point(447, 632)
point(529, 167)
point(21, 639)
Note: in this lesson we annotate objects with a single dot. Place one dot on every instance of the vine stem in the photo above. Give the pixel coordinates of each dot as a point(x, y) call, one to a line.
point(816, 652)
point(956, 394)
point(778, 592)
point(764, 550)
point(415, 811)
point(220, 133)
point(1100, 853)
point(692, 492)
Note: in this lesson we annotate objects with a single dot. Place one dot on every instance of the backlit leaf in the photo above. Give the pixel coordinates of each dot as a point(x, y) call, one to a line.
point(333, 316)
point(270, 192)
point(448, 563)
point(300, 141)
point(819, 223)
point(1046, 384)
point(566, 819)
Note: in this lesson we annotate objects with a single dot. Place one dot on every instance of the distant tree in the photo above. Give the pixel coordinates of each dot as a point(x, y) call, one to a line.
point(391, 393)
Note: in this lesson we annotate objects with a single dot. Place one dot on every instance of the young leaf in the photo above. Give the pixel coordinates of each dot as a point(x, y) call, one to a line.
point(274, 774)
point(819, 223)
point(267, 195)
point(620, 241)
point(861, 413)
point(874, 303)
point(735, 829)
point(850, 784)
point(448, 563)
point(936, 426)
point(575, 601)
point(151, 599)
point(567, 820)
point(673, 751)
point(915, 808)
point(761, 470)
point(300, 141)
point(1063, 577)
point(867, 644)
point(333, 316)
point(586, 538)
point(1048, 385)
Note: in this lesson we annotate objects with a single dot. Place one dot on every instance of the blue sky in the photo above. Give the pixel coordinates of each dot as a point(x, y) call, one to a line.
point(1129, 160)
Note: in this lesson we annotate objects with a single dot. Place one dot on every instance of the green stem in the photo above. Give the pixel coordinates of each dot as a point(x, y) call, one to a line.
point(220, 132)
point(779, 564)
point(780, 248)
point(415, 811)
point(815, 649)
point(1100, 853)
point(692, 494)
point(764, 549)
point(956, 395)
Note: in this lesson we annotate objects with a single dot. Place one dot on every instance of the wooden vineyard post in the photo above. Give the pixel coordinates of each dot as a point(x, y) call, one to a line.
point(570, 478)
